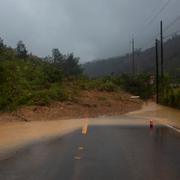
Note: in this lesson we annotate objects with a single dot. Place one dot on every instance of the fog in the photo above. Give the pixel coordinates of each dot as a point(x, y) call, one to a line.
point(91, 29)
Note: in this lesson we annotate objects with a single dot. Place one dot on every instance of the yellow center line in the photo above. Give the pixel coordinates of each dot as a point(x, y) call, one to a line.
point(81, 148)
point(85, 127)
point(77, 158)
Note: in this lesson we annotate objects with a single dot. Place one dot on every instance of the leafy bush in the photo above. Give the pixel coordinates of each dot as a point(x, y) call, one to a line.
point(12, 85)
point(107, 86)
point(172, 98)
point(31, 80)
point(138, 85)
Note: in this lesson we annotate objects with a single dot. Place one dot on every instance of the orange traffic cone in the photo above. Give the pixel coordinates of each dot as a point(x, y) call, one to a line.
point(151, 124)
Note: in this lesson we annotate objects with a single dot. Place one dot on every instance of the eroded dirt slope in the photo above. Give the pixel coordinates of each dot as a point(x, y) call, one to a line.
point(90, 104)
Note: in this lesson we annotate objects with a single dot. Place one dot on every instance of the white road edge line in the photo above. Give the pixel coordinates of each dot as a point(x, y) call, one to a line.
point(173, 128)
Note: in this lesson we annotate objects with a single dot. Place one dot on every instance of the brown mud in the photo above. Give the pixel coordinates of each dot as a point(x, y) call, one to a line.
point(90, 104)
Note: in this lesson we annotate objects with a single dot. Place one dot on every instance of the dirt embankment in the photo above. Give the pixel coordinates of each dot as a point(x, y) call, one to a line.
point(90, 104)
point(162, 114)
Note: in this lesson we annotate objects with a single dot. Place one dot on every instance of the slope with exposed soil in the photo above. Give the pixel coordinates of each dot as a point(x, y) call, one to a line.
point(89, 104)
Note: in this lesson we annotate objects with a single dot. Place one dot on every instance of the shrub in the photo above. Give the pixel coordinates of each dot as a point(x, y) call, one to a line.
point(107, 86)
point(138, 85)
point(171, 98)
point(12, 86)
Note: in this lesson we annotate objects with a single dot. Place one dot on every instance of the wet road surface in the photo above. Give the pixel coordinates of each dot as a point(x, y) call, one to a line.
point(103, 152)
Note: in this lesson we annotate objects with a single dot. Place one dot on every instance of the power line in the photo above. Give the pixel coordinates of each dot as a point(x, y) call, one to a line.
point(148, 44)
point(162, 8)
point(172, 23)
point(159, 12)
point(151, 19)
point(151, 43)
point(165, 29)
point(170, 35)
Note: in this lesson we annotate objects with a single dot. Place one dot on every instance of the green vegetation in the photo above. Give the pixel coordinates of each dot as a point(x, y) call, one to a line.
point(27, 79)
point(102, 84)
point(171, 98)
point(170, 94)
point(145, 64)
point(139, 85)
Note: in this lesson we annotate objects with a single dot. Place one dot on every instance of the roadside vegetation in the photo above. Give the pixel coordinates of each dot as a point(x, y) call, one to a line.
point(170, 93)
point(26, 79)
point(171, 97)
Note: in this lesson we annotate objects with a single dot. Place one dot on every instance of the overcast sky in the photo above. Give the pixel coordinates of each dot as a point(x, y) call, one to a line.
point(90, 28)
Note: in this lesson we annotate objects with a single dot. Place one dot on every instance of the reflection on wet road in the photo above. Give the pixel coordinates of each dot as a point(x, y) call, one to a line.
point(105, 152)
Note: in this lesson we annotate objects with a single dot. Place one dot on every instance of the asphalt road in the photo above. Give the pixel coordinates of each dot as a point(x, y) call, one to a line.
point(100, 153)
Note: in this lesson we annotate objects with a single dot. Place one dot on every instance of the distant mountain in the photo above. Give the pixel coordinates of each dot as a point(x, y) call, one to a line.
point(144, 60)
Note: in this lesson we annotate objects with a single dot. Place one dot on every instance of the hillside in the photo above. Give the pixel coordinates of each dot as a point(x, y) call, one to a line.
point(145, 61)
point(89, 104)
point(54, 87)
point(27, 80)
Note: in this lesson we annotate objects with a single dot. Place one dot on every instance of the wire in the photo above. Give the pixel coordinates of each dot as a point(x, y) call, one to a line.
point(159, 12)
point(150, 17)
point(172, 23)
point(151, 20)
point(170, 35)
point(162, 8)
point(150, 43)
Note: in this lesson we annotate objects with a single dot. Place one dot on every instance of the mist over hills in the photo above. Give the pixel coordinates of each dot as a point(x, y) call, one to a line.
point(144, 60)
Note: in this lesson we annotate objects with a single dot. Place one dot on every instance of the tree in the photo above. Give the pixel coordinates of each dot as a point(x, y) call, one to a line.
point(48, 59)
point(21, 50)
point(71, 66)
point(57, 57)
point(1, 43)
point(52, 73)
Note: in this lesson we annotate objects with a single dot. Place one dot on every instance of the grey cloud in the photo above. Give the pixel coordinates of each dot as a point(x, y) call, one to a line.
point(90, 28)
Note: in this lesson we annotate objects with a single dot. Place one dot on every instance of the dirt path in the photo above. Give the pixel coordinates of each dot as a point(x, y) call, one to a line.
point(163, 114)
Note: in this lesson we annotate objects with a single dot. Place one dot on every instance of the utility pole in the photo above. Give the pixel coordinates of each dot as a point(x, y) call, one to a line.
point(157, 73)
point(162, 51)
point(133, 58)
